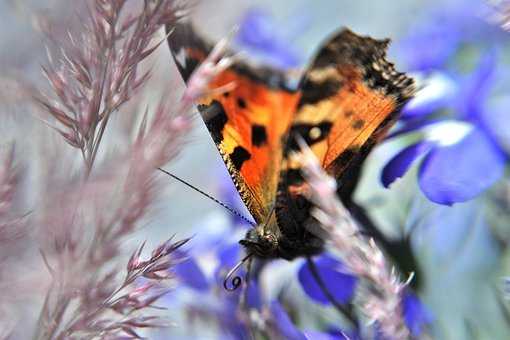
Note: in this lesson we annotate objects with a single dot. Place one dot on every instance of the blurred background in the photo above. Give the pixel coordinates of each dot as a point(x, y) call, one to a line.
point(459, 55)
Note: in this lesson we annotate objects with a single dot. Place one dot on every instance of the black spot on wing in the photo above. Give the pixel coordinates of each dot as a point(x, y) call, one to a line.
point(215, 119)
point(348, 114)
point(305, 131)
point(358, 124)
point(241, 103)
point(338, 166)
point(239, 156)
point(314, 92)
point(258, 135)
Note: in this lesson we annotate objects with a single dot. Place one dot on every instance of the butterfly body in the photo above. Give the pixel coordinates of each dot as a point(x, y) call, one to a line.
point(346, 101)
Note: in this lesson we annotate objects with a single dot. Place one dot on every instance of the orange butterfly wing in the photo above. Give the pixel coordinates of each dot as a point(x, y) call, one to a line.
point(351, 95)
point(248, 123)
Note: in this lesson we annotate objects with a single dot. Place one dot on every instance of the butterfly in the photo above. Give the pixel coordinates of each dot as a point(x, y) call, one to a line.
point(346, 101)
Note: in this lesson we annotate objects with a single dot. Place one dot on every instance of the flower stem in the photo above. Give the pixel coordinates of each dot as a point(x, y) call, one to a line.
point(344, 310)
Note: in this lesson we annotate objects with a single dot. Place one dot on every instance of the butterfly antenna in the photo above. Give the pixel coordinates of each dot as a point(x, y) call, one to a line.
point(344, 310)
point(269, 215)
point(236, 280)
point(230, 209)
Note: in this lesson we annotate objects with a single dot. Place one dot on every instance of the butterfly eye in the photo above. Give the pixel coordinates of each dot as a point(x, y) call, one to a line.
point(314, 133)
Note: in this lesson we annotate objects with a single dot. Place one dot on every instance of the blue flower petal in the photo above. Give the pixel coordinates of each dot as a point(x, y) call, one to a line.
point(228, 255)
point(333, 334)
point(439, 91)
point(191, 275)
point(257, 28)
point(401, 162)
point(441, 41)
point(495, 121)
point(476, 88)
point(339, 284)
point(460, 172)
point(283, 324)
point(413, 125)
point(253, 298)
point(314, 335)
point(416, 315)
point(347, 335)
point(416, 108)
point(229, 320)
point(261, 35)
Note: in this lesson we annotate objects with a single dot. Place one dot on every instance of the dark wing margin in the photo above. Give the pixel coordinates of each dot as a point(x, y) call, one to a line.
point(188, 49)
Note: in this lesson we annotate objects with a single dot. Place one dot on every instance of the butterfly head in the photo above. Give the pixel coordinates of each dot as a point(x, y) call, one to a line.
point(262, 244)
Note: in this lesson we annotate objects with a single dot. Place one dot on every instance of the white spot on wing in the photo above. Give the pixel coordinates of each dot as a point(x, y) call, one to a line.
point(180, 57)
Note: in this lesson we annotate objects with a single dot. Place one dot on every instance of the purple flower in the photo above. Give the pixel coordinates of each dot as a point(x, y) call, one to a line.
point(191, 275)
point(314, 335)
point(212, 301)
point(416, 315)
point(282, 325)
point(444, 31)
point(340, 284)
point(225, 256)
point(442, 41)
point(228, 256)
point(225, 309)
point(461, 157)
point(260, 35)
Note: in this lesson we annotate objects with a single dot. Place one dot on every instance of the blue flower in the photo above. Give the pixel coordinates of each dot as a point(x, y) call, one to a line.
point(284, 328)
point(283, 324)
point(340, 284)
point(260, 35)
point(224, 308)
point(190, 274)
point(441, 33)
point(462, 157)
point(442, 42)
point(416, 315)
point(211, 300)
